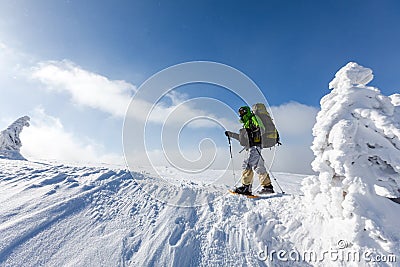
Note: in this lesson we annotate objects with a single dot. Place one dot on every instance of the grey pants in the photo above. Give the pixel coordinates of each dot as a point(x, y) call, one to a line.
point(254, 161)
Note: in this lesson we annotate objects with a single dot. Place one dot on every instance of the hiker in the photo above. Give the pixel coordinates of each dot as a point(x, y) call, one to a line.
point(250, 137)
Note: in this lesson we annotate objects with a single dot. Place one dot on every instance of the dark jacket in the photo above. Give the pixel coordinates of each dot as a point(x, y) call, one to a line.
point(250, 134)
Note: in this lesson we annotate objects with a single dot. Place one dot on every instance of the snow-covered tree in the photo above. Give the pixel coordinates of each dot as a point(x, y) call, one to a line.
point(357, 158)
point(10, 143)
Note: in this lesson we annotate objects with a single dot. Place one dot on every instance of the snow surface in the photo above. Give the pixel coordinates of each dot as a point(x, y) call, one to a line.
point(57, 215)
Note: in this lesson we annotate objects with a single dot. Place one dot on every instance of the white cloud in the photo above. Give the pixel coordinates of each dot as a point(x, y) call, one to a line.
point(294, 122)
point(86, 88)
point(113, 96)
point(293, 159)
point(12, 63)
point(181, 114)
point(47, 139)
point(294, 119)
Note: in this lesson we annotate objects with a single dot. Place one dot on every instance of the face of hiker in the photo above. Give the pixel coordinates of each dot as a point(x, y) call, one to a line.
point(244, 113)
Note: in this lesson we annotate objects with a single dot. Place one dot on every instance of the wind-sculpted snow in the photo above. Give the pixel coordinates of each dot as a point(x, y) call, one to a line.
point(56, 215)
point(10, 143)
point(357, 150)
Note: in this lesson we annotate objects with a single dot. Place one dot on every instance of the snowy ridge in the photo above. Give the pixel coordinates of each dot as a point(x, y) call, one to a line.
point(80, 216)
point(10, 143)
point(58, 215)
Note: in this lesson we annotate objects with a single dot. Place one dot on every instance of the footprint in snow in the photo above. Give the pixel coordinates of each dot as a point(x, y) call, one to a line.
point(178, 231)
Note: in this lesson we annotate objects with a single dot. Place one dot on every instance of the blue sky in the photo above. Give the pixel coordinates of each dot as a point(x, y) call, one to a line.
point(291, 49)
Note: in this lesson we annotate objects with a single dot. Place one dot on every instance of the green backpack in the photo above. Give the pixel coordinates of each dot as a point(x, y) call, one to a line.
point(269, 133)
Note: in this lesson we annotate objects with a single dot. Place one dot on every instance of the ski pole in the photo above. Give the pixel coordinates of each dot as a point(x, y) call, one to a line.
point(230, 151)
point(242, 150)
point(273, 176)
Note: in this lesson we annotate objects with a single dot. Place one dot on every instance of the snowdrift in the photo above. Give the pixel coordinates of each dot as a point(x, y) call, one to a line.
point(58, 215)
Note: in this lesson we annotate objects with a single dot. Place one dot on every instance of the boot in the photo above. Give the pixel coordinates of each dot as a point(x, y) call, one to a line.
point(268, 189)
point(244, 190)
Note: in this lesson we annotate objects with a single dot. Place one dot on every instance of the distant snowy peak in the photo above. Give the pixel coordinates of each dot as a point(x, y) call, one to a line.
point(351, 74)
point(10, 143)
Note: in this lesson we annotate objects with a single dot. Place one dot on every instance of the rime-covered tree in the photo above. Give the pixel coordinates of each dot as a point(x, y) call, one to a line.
point(10, 143)
point(357, 158)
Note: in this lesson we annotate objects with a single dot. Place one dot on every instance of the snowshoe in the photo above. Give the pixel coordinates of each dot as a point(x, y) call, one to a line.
point(243, 190)
point(266, 190)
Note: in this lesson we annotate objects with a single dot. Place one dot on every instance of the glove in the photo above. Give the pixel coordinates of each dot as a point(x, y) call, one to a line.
point(227, 133)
